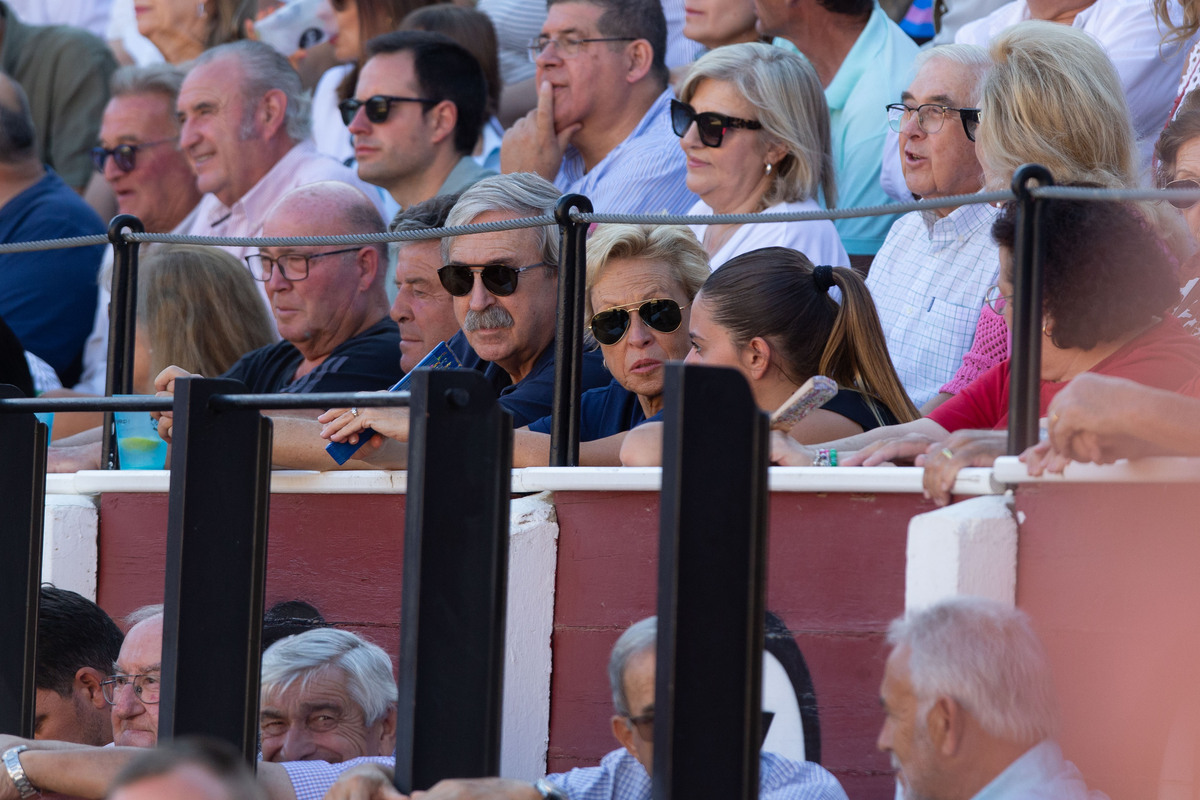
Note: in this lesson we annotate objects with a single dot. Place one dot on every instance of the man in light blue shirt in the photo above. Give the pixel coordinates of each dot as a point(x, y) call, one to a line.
point(864, 62)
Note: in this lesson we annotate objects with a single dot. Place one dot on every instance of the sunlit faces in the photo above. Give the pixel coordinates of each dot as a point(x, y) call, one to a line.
point(346, 39)
point(637, 360)
point(731, 178)
point(639, 694)
point(166, 17)
point(134, 723)
point(940, 164)
point(213, 128)
point(904, 736)
point(78, 717)
point(392, 152)
point(585, 84)
point(160, 190)
point(1187, 166)
point(316, 720)
point(423, 310)
point(711, 344)
point(511, 331)
point(714, 23)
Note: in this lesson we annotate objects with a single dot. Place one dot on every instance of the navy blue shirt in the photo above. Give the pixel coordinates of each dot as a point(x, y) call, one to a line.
point(603, 412)
point(48, 297)
point(532, 397)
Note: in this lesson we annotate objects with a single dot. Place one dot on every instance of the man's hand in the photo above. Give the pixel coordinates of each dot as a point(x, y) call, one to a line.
point(965, 448)
point(74, 458)
point(344, 424)
point(365, 782)
point(479, 789)
point(532, 144)
point(164, 386)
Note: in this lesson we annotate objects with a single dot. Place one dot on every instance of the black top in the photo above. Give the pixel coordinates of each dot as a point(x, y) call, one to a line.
point(856, 407)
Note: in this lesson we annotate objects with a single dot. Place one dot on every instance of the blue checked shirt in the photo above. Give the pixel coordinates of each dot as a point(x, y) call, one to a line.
point(619, 777)
point(645, 174)
point(928, 282)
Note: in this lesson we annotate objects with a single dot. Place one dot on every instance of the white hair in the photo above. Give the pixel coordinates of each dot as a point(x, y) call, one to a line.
point(986, 657)
point(140, 615)
point(637, 638)
point(972, 57)
point(368, 669)
point(521, 193)
point(264, 69)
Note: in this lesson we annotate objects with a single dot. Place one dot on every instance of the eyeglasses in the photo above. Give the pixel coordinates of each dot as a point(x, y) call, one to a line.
point(499, 279)
point(124, 155)
point(568, 46)
point(710, 125)
point(1183, 203)
point(144, 686)
point(377, 107)
point(644, 725)
point(611, 325)
point(292, 266)
point(931, 117)
point(996, 301)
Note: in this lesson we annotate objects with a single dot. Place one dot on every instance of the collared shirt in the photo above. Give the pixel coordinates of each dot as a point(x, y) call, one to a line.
point(928, 282)
point(1040, 774)
point(874, 73)
point(645, 174)
point(1132, 36)
point(464, 174)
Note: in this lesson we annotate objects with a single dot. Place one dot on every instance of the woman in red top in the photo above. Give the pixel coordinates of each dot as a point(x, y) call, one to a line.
point(1107, 284)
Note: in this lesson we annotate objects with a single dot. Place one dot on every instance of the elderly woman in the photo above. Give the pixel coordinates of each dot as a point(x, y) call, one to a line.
point(1099, 315)
point(1177, 154)
point(183, 29)
point(755, 129)
point(769, 315)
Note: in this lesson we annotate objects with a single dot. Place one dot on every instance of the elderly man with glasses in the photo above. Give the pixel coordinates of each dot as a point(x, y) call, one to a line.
point(930, 277)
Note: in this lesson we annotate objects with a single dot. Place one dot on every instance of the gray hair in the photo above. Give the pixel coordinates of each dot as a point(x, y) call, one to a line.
point(985, 656)
point(673, 246)
point(789, 101)
point(637, 638)
point(163, 79)
point(368, 669)
point(973, 58)
point(264, 70)
point(140, 615)
point(522, 193)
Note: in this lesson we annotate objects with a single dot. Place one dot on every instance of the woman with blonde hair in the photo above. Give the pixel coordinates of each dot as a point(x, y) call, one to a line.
point(183, 29)
point(754, 125)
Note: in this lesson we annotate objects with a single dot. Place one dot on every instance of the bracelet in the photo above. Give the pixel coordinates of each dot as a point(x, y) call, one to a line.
point(550, 791)
point(12, 762)
point(825, 458)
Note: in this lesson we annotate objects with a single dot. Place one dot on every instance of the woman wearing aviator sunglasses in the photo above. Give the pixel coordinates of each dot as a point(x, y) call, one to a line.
point(769, 315)
point(1177, 155)
point(754, 125)
point(640, 283)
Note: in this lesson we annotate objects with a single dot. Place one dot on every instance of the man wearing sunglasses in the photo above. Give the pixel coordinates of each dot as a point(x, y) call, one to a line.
point(602, 124)
point(930, 277)
point(416, 115)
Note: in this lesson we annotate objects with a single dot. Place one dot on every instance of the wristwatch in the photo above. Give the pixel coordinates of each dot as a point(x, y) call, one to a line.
point(12, 762)
point(547, 790)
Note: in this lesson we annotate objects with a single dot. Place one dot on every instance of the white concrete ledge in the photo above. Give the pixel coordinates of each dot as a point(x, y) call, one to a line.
point(1009, 469)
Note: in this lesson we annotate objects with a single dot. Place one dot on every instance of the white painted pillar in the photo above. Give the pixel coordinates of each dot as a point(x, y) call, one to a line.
point(69, 543)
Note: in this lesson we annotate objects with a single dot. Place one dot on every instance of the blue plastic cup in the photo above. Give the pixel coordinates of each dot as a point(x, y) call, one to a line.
point(138, 444)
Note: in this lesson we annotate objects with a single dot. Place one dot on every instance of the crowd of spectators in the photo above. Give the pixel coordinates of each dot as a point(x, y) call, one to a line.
point(405, 114)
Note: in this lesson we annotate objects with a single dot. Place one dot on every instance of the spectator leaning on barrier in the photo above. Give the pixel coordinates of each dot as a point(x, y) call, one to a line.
point(930, 277)
point(77, 644)
point(602, 125)
point(416, 115)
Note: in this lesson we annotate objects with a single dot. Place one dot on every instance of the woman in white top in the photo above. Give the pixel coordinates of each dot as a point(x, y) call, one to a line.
point(755, 129)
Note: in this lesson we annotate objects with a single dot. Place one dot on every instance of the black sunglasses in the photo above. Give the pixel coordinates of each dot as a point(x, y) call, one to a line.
point(377, 107)
point(123, 155)
point(611, 325)
point(1182, 203)
point(710, 125)
point(499, 279)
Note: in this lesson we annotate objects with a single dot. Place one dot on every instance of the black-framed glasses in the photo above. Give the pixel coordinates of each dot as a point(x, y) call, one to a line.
point(123, 155)
point(1182, 203)
point(996, 301)
point(292, 266)
point(145, 686)
point(644, 725)
point(662, 314)
point(931, 117)
point(499, 279)
point(378, 106)
point(568, 46)
point(709, 124)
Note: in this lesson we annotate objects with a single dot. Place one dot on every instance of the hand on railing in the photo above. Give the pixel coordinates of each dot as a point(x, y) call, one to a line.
point(896, 450)
point(364, 782)
point(965, 448)
point(164, 386)
point(787, 452)
point(343, 424)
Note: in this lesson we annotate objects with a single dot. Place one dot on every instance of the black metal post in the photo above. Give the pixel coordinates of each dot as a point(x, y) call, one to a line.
point(122, 320)
point(1028, 252)
point(23, 498)
point(568, 345)
point(711, 587)
point(455, 576)
point(216, 567)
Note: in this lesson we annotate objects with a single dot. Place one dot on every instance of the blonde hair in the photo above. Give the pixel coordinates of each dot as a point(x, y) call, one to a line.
point(200, 309)
point(1054, 98)
point(674, 246)
point(789, 102)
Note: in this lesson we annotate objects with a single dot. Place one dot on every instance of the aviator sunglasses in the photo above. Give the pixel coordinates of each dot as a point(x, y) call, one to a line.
point(710, 125)
point(377, 107)
point(1182, 203)
point(611, 325)
point(499, 279)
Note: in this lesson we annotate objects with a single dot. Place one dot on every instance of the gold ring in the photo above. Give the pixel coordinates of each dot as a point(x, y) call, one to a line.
point(948, 453)
point(354, 411)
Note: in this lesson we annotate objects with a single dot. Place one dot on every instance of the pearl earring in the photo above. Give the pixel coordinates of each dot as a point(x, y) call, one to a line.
point(768, 169)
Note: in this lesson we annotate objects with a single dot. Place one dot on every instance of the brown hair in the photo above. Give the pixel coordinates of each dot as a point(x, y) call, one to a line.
point(774, 293)
point(474, 31)
point(1179, 131)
